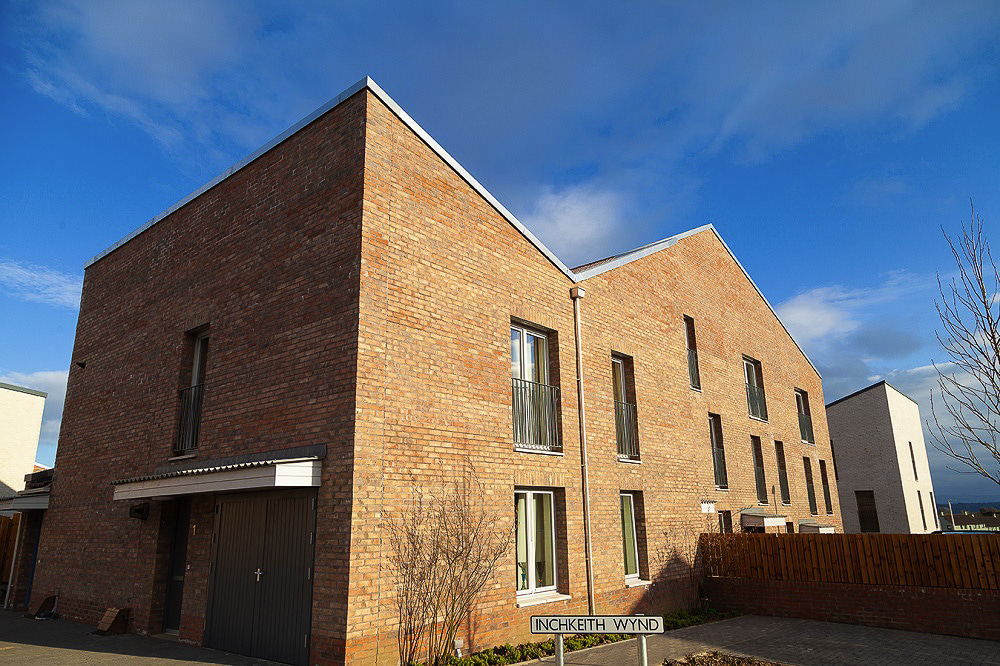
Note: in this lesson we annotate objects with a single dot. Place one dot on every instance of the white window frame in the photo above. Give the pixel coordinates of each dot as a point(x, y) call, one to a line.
point(635, 536)
point(530, 545)
point(197, 368)
point(524, 332)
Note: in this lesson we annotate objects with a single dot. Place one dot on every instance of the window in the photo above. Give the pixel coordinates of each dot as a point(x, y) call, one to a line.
point(536, 536)
point(913, 460)
point(934, 510)
point(920, 504)
point(833, 454)
point(755, 389)
point(692, 349)
point(805, 418)
point(779, 453)
point(810, 488)
point(535, 403)
point(726, 522)
point(867, 511)
point(626, 426)
point(633, 536)
point(758, 468)
point(825, 480)
point(790, 528)
point(718, 452)
point(192, 396)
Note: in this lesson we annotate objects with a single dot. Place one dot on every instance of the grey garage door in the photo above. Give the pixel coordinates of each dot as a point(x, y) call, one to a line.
point(260, 592)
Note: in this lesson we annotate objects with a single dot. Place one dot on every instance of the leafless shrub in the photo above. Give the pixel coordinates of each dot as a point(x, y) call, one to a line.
point(445, 550)
point(968, 428)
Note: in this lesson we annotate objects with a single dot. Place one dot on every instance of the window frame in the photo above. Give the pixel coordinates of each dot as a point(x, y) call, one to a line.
point(913, 461)
point(824, 479)
point(782, 462)
point(524, 332)
point(750, 363)
point(810, 480)
point(717, 438)
point(635, 536)
point(691, 342)
point(920, 505)
point(757, 452)
point(530, 494)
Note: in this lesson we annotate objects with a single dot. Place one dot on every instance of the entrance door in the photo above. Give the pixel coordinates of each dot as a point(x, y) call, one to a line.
point(178, 566)
point(260, 593)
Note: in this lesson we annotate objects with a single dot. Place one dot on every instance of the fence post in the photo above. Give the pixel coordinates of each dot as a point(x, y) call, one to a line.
point(642, 650)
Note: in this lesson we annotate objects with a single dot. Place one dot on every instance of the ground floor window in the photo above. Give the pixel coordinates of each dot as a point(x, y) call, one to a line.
point(726, 522)
point(536, 537)
point(629, 538)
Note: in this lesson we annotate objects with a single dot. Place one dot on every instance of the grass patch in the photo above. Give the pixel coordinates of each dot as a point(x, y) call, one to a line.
point(514, 654)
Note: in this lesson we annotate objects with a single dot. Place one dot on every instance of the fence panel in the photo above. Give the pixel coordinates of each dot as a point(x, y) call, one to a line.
point(970, 561)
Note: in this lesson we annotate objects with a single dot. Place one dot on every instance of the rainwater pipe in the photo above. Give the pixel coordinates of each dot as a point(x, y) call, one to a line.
point(577, 294)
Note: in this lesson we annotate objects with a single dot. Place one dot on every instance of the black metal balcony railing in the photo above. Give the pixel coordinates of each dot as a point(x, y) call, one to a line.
point(190, 421)
point(756, 401)
point(811, 491)
point(761, 485)
point(693, 368)
point(806, 428)
point(786, 497)
point(536, 415)
point(627, 430)
point(719, 460)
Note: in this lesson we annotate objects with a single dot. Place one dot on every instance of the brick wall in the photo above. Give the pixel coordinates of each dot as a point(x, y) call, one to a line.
point(937, 610)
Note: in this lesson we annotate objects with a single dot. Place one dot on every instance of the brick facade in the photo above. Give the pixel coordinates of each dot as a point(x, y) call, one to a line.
point(359, 292)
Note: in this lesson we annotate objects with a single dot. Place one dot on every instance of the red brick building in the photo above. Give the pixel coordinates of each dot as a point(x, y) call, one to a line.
point(277, 361)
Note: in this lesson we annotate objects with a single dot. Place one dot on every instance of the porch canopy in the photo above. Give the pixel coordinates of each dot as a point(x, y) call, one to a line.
point(761, 518)
point(298, 467)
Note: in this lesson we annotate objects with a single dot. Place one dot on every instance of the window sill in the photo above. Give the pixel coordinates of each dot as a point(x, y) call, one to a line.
point(637, 582)
point(757, 418)
point(185, 456)
point(630, 461)
point(786, 504)
point(696, 388)
point(525, 600)
point(541, 452)
point(721, 489)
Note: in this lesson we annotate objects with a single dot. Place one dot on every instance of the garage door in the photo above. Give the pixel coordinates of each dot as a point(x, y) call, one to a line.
point(260, 592)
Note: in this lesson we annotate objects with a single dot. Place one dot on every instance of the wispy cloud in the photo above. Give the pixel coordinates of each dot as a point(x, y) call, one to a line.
point(52, 382)
point(40, 284)
point(578, 223)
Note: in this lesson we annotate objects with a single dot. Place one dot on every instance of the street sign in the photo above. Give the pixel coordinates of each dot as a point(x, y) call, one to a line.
point(596, 624)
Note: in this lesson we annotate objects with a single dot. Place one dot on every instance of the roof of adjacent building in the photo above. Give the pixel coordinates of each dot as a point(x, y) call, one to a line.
point(575, 275)
point(24, 389)
point(869, 388)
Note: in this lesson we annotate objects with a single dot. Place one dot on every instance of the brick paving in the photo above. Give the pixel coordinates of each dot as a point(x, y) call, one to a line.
point(793, 641)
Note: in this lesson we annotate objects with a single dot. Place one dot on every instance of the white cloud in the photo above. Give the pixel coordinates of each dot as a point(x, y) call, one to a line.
point(579, 223)
point(40, 284)
point(52, 382)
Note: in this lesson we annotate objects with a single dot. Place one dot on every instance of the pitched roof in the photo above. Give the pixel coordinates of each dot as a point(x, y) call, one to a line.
point(868, 388)
point(578, 274)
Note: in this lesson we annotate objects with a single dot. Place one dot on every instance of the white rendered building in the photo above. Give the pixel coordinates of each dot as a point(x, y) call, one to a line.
point(20, 425)
point(880, 462)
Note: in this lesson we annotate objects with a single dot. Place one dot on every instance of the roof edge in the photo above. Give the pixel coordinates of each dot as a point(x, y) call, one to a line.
point(24, 389)
point(868, 388)
point(369, 84)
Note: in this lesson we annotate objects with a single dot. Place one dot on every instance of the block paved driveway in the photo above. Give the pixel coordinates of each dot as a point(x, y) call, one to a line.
point(59, 642)
point(796, 642)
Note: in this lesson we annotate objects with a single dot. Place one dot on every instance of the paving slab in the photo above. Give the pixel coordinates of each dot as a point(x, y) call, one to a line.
point(799, 642)
point(62, 642)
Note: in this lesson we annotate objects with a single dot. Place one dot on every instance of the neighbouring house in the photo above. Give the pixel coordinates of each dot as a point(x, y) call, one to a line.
point(20, 425)
point(984, 520)
point(29, 505)
point(880, 462)
point(266, 371)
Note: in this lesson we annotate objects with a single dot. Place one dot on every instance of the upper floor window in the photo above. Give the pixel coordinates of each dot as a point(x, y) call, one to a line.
point(913, 460)
point(805, 418)
point(535, 540)
point(755, 388)
point(535, 401)
point(779, 453)
point(626, 424)
point(810, 488)
point(934, 511)
point(827, 500)
point(867, 510)
point(920, 505)
point(718, 451)
point(758, 468)
point(191, 397)
point(692, 352)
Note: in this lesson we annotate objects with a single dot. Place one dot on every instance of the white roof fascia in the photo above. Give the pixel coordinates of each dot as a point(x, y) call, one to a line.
point(368, 83)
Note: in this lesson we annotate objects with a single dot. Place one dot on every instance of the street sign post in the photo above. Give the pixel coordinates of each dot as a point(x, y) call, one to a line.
point(640, 625)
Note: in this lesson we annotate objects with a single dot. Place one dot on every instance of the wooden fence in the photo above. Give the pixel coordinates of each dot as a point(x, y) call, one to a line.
point(966, 561)
point(8, 537)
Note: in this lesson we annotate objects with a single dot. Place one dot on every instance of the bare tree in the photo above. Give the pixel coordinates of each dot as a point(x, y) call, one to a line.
point(445, 551)
point(967, 413)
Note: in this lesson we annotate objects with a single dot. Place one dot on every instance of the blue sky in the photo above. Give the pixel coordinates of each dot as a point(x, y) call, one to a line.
point(828, 142)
